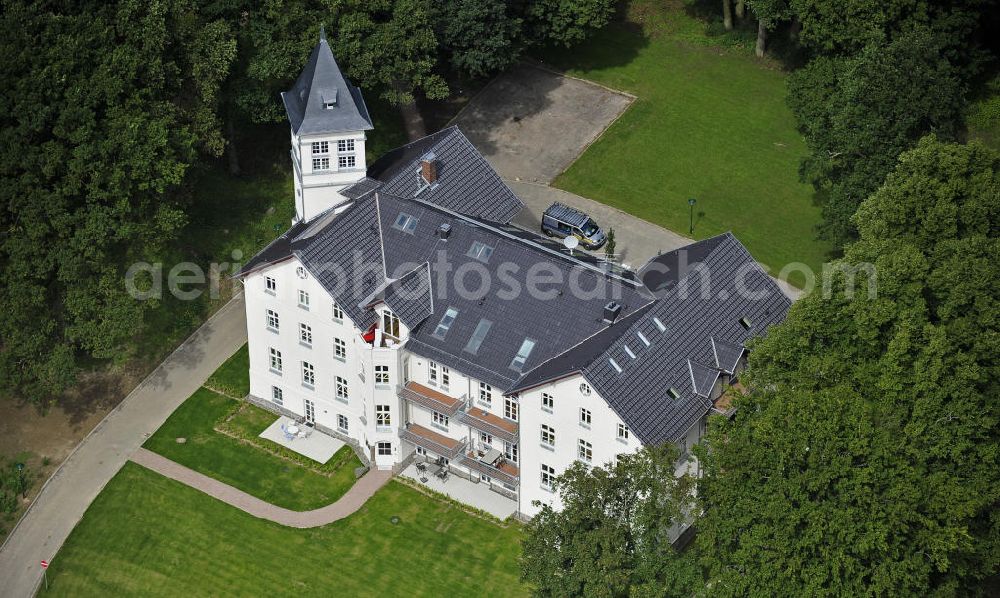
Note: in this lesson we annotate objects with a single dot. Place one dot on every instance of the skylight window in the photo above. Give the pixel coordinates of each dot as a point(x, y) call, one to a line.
point(642, 337)
point(476, 340)
point(745, 322)
point(628, 351)
point(405, 223)
point(522, 354)
point(615, 365)
point(480, 251)
point(659, 325)
point(445, 323)
point(674, 394)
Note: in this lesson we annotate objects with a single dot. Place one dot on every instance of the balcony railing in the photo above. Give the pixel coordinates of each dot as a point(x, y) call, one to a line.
point(484, 421)
point(430, 440)
point(504, 471)
point(430, 398)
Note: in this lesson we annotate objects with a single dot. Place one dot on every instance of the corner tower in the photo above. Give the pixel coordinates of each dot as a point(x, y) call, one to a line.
point(328, 118)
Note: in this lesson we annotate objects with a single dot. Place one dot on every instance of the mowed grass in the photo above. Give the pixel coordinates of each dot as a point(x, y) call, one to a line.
point(255, 471)
point(709, 123)
point(232, 378)
point(150, 536)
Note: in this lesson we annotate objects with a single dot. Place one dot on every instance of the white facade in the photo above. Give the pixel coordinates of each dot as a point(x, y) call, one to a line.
point(323, 165)
point(354, 386)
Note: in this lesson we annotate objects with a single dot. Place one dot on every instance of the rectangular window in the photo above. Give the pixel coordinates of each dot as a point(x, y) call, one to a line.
point(308, 374)
point(623, 432)
point(320, 147)
point(275, 360)
point(445, 377)
point(548, 436)
point(345, 145)
point(341, 389)
point(339, 349)
point(485, 394)
point(547, 402)
point(346, 161)
point(510, 451)
point(272, 320)
point(306, 334)
point(390, 324)
point(338, 314)
point(384, 449)
point(433, 373)
point(585, 451)
point(476, 340)
point(342, 424)
point(405, 223)
point(522, 354)
point(445, 324)
point(441, 420)
point(585, 417)
point(382, 375)
point(510, 408)
point(270, 285)
point(548, 476)
point(480, 251)
point(277, 396)
point(382, 417)
point(486, 439)
point(320, 164)
point(303, 299)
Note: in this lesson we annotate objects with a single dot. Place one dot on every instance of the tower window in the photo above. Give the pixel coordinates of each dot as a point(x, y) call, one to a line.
point(320, 147)
point(321, 163)
point(346, 161)
point(345, 145)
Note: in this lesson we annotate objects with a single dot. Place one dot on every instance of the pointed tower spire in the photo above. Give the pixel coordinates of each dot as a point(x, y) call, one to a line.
point(322, 32)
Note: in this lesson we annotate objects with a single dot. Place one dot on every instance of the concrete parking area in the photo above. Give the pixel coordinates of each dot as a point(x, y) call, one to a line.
point(532, 123)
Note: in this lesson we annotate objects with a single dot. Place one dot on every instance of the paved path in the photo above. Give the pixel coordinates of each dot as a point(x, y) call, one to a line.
point(67, 494)
point(346, 505)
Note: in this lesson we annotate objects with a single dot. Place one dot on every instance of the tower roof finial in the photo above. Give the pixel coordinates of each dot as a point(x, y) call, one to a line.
point(322, 32)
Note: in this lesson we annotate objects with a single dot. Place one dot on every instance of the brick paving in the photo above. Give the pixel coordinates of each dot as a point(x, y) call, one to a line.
point(346, 505)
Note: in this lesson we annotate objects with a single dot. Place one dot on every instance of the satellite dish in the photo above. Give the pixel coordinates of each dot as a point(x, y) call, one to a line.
point(571, 242)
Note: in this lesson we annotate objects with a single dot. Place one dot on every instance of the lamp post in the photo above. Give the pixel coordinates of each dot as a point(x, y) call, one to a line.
point(20, 479)
point(691, 203)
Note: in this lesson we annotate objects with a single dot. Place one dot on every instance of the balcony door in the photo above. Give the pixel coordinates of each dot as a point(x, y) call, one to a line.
point(310, 411)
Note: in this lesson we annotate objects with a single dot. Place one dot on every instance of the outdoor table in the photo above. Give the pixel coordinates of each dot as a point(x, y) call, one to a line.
point(491, 456)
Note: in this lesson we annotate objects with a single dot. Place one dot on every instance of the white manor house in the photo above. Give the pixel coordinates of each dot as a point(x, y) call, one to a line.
point(404, 314)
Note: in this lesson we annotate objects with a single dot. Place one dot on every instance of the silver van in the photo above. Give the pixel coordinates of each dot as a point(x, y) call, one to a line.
point(560, 220)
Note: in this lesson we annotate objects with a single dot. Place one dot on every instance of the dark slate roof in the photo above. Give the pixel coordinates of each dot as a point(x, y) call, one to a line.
point(640, 392)
point(321, 81)
point(554, 322)
point(465, 183)
point(360, 188)
point(661, 273)
point(703, 378)
point(409, 297)
point(580, 356)
point(727, 355)
point(277, 250)
point(569, 215)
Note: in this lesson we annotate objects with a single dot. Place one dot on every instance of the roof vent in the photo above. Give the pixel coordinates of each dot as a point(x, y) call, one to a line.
point(673, 393)
point(428, 170)
point(611, 312)
point(444, 231)
point(330, 101)
point(745, 322)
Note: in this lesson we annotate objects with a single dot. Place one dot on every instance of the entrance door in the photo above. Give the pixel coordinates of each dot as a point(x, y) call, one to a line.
point(310, 411)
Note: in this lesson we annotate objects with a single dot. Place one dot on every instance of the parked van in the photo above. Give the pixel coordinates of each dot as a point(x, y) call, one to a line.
point(561, 221)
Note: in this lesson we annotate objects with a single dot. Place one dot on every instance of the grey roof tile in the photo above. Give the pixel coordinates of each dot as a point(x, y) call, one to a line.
point(409, 297)
point(360, 188)
point(466, 182)
point(321, 81)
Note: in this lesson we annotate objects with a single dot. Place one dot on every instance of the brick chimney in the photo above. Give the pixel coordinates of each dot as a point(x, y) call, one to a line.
point(428, 170)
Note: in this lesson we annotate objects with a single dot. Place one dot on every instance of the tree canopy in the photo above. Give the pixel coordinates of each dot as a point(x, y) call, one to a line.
point(866, 461)
point(613, 535)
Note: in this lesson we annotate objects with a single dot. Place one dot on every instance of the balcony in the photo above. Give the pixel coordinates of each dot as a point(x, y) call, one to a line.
point(430, 440)
point(430, 398)
point(500, 470)
point(484, 421)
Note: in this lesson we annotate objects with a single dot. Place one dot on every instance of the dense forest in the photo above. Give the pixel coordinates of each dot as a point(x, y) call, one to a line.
point(110, 106)
point(865, 458)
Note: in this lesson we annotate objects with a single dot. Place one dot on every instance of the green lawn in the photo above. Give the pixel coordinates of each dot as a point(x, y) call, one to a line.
point(251, 469)
point(148, 535)
point(709, 123)
point(232, 379)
